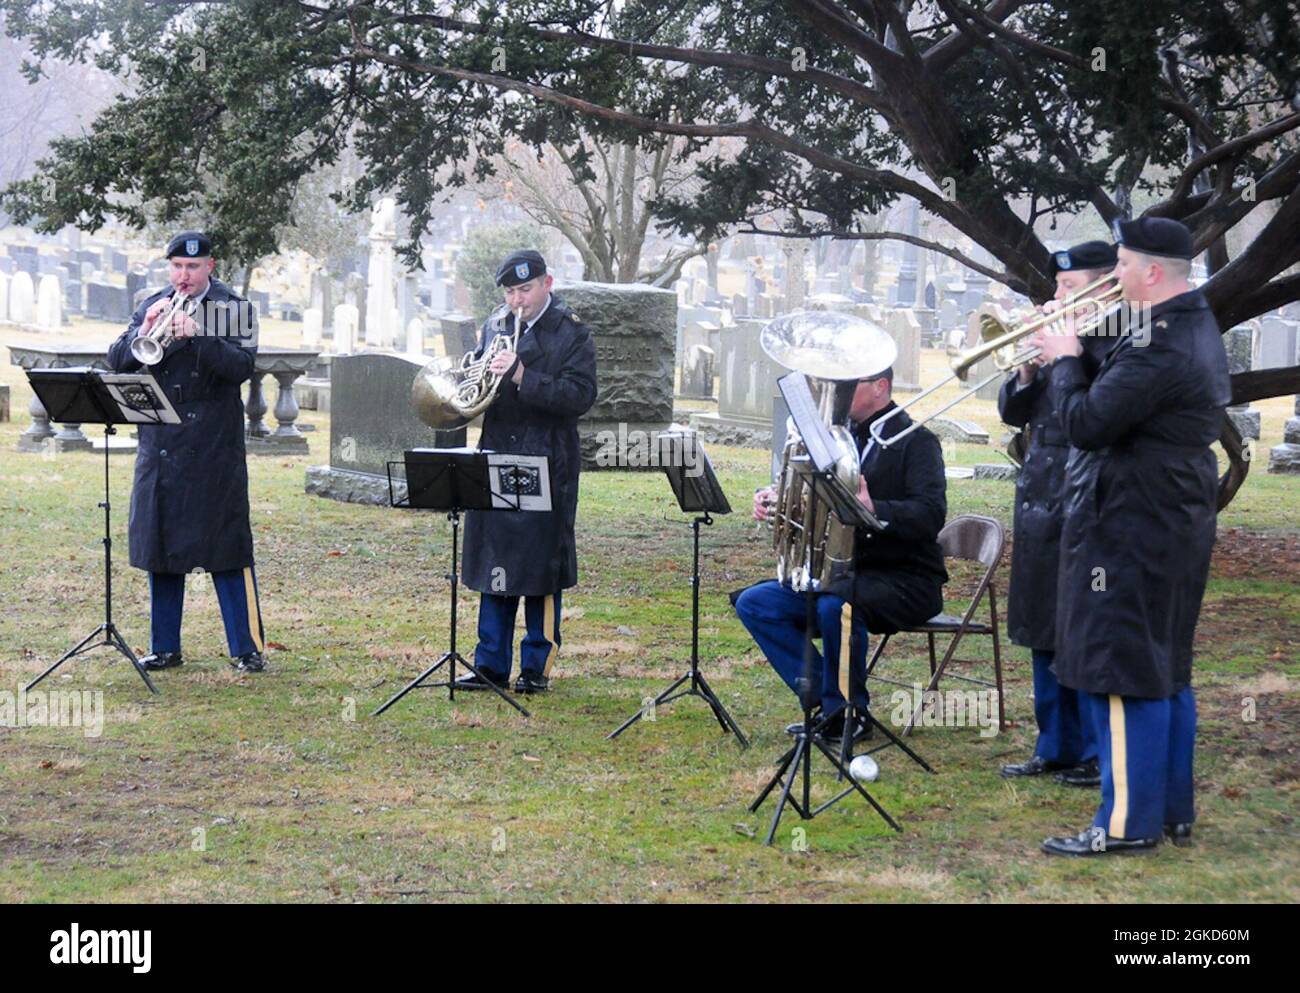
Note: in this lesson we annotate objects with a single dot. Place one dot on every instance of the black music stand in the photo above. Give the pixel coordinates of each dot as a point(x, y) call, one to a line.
point(455, 480)
point(696, 494)
point(88, 396)
point(818, 470)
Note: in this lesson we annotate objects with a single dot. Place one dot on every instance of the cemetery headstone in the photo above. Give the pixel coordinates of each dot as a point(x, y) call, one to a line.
point(746, 389)
point(905, 329)
point(22, 303)
point(372, 423)
point(345, 328)
point(49, 304)
point(634, 328)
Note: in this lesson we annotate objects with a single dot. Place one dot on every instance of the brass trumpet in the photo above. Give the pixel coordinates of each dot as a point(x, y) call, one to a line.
point(148, 349)
point(1000, 341)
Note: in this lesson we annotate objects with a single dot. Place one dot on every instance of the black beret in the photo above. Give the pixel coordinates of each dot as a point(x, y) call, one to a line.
point(520, 267)
point(190, 245)
point(1089, 255)
point(1154, 236)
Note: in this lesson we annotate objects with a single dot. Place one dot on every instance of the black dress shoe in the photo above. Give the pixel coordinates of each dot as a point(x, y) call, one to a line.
point(1036, 766)
point(251, 662)
point(796, 727)
point(833, 732)
point(1088, 774)
point(161, 660)
point(531, 682)
point(1179, 834)
point(1095, 841)
point(473, 681)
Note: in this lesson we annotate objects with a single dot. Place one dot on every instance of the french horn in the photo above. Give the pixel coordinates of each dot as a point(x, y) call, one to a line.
point(447, 394)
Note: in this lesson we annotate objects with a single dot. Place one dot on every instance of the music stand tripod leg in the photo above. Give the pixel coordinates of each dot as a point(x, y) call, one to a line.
point(115, 640)
point(641, 711)
point(703, 689)
point(798, 757)
point(80, 647)
point(413, 684)
point(895, 740)
point(844, 773)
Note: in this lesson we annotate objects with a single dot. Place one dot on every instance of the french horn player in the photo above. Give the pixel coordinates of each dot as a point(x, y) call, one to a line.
point(544, 379)
point(891, 578)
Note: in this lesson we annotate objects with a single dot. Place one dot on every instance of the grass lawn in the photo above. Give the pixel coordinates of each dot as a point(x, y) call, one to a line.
point(280, 787)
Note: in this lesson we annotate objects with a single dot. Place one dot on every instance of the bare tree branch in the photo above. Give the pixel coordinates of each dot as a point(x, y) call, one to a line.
point(934, 246)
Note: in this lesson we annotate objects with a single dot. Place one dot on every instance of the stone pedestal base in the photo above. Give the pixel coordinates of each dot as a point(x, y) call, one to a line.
point(996, 470)
point(351, 487)
point(276, 443)
point(616, 445)
point(955, 429)
point(117, 445)
point(313, 394)
point(1246, 421)
point(717, 430)
point(1285, 458)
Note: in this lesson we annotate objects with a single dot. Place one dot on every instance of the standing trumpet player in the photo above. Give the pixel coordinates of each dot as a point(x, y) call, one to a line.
point(1140, 497)
point(1065, 742)
point(548, 382)
point(189, 501)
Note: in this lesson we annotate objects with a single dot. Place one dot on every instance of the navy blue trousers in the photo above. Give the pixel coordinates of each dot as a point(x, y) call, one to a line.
point(1064, 734)
point(496, 634)
point(241, 611)
point(1145, 751)
point(777, 617)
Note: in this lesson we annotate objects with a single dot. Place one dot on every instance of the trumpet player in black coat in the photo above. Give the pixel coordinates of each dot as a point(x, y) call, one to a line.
point(1139, 528)
point(1065, 743)
point(189, 502)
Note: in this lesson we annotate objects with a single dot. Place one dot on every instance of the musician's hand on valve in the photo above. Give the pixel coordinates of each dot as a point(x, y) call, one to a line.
point(152, 314)
point(764, 500)
point(501, 364)
point(184, 326)
point(1057, 342)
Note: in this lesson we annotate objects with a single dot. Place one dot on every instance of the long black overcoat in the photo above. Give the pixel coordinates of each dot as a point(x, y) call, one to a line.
point(189, 502)
point(1141, 484)
point(535, 553)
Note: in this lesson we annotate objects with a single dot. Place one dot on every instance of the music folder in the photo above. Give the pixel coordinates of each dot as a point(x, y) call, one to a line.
point(88, 396)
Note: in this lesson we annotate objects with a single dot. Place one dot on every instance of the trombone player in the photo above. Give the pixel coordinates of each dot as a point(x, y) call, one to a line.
point(1065, 744)
point(1139, 528)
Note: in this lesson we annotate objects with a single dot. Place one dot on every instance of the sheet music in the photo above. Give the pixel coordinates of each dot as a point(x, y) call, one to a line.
point(521, 479)
point(139, 397)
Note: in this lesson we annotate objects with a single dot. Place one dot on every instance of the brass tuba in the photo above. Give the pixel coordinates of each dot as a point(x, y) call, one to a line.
point(447, 394)
point(835, 350)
